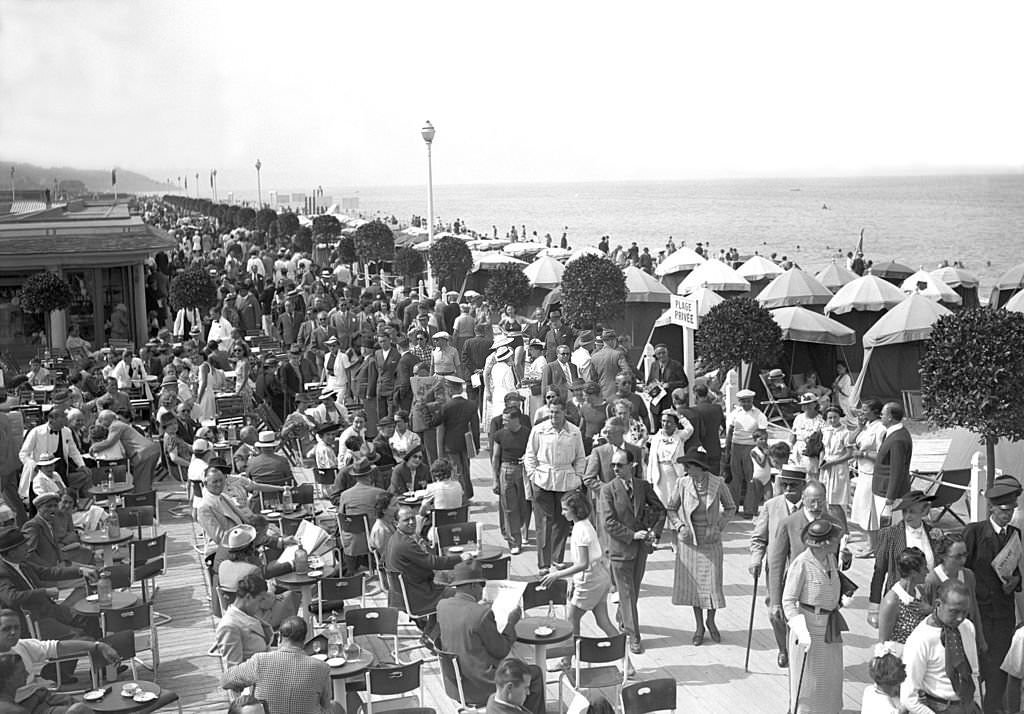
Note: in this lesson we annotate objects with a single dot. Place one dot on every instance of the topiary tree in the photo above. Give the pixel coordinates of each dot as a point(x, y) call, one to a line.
point(451, 260)
point(193, 288)
point(303, 240)
point(347, 250)
point(265, 218)
point(409, 263)
point(736, 331)
point(45, 292)
point(326, 226)
point(972, 375)
point(508, 285)
point(374, 241)
point(287, 224)
point(593, 290)
point(246, 217)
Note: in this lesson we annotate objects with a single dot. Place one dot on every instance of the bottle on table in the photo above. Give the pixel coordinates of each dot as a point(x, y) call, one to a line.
point(104, 590)
point(113, 524)
point(335, 638)
point(351, 650)
point(301, 560)
point(286, 499)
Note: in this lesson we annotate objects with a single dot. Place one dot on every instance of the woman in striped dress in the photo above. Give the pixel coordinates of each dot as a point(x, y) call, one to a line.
point(810, 602)
point(698, 510)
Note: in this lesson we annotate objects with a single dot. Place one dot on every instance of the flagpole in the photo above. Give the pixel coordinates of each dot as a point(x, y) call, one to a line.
point(12, 185)
point(113, 181)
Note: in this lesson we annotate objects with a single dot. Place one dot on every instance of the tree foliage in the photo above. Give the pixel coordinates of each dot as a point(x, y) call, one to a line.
point(409, 263)
point(302, 241)
point(193, 288)
point(265, 218)
point(327, 226)
point(508, 285)
point(736, 331)
point(246, 217)
point(374, 241)
point(972, 374)
point(451, 260)
point(593, 291)
point(287, 224)
point(45, 292)
point(347, 250)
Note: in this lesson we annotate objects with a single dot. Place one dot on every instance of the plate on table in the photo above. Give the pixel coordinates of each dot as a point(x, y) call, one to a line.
point(409, 494)
point(320, 656)
point(543, 631)
point(95, 695)
point(456, 549)
point(92, 598)
point(336, 661)
point(271, 514)
point(144, 696)
point(314, 573)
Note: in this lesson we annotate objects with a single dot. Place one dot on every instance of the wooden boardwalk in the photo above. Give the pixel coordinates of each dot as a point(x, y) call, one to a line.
point(710, 678)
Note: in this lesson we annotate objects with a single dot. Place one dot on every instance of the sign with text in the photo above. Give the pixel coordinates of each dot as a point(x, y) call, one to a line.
point(684, 312)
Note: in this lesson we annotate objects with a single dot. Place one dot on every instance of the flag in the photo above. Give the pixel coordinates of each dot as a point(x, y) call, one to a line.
point(113, 177)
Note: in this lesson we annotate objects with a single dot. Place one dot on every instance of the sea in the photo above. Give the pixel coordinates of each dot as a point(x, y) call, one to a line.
point(919, 221)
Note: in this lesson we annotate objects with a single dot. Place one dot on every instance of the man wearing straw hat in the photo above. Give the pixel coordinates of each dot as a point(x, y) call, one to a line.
point(53, 437)
point(460, 424)
point(267, 467)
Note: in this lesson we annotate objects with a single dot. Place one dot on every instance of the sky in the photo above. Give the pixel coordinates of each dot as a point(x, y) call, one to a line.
point(335, 93)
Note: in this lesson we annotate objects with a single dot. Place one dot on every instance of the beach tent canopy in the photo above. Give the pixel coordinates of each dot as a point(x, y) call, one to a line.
point(1009, 282)
point(582, 251)
point(865, 293)
point(716, 275)
point(641, 287)
point(671, 335)
point(681, 260)
point(407, 239)
point(893, 348)
point(891, 270)
point(802, 325)
point(1015, 304)
point(556, 253)
point(955, 277)
point(794, 287)
point(523, 250)
point(836, 276)
point(924, 283)
point(962, 446)
point(487, 260)
point(757, 267)
point(488, 244)
point(545, 272)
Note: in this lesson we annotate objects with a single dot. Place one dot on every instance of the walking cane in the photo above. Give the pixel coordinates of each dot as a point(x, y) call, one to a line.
point(799, 683)
point(750, 627)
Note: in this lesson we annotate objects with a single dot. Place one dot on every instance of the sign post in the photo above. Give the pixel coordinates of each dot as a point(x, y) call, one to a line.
point(685, 313)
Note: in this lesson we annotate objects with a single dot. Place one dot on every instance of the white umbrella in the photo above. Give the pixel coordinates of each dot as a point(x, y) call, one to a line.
point(956, 277)
point(1016, 303)
point(924, 283)
point(801, 325)
point(582, 251)
point(486, 260)
point(836, 276)
point(869, 292)
point(556, 253)
point(683, 259)
point(757, 267)
point(716, 275)
point(641, 287)
point(545, 272)
point(794, 287)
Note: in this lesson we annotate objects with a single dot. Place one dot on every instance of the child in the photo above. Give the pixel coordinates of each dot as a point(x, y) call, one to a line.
point(759, 455)
point(888, 672)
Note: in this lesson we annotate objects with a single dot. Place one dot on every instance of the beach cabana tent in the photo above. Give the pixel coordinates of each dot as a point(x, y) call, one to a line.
point(859, 305)
point(663, 331)
point(924, 283)
point(1016, 303)
point(759, 271)
point(893, 347)
point(835, 276)
point(484, 263)
point(964, 282)
point(646, 299)
point(582, 251)
point(1009, 283)
point(891, 271)
point(794, 287)
point(717, 276)
point(811, 342)
point(545, 273)
point(677, 266)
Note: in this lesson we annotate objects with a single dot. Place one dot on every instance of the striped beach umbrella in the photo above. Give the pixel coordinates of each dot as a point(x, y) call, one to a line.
point(794, 287)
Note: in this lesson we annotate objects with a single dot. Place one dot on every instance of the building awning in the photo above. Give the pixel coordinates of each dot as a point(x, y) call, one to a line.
point(78, 243)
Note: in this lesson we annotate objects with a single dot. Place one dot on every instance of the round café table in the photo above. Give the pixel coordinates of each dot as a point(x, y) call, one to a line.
point(114, 702)
point(101, 539)
point(561, 631)
point(111, 491)
point(304, 584)
point(120, 599)
point(352, 668)
point(483, 552)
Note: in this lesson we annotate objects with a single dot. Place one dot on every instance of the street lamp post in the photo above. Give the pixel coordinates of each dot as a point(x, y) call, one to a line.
point(428, 136)
point(259, 187)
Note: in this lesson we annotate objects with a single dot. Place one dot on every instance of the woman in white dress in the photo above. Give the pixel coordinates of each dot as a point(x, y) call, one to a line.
point(667, 446)
point(502, 380)
point(209, 381)
point(865, 441)
point(834, 469)
point(805, 424)
point(533, 374)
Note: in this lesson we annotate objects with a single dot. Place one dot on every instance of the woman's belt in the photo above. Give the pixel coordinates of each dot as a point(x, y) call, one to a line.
point(835, 625)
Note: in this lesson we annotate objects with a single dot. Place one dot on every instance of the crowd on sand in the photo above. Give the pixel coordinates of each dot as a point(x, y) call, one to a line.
point(386, 392)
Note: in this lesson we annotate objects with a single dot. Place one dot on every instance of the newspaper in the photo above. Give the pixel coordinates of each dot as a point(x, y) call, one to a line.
point(314, 539)
point(504, 596)
point(1007, 560)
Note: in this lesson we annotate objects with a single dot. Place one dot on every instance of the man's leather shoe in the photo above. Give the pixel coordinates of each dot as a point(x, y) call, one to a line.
point(636, 647)
point(783, 659)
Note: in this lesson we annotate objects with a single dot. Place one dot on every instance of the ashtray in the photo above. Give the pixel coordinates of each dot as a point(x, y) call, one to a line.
point(543, 631)
point(336, 661)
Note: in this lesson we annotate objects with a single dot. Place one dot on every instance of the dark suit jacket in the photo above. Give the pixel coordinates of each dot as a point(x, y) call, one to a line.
point(402, 478)
point(623, 516)
point(359, 500)
point(29, 592)
point(892, 541)
point(383, 373)
point(457, 417)
point(673, 375)
point(417, 565)
point(598, 470)
point(892, 465)
point(44, 549)
point(606, 363)
point(711, 420)
point(786, 543)
point(982, 546)
point(494, 707)
point(469, 632)
point(474, 353)
point(553, 374)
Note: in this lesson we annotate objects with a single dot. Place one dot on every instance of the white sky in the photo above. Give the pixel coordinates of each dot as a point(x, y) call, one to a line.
point(335, 93)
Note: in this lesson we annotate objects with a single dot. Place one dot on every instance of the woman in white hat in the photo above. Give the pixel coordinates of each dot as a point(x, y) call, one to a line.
point(502, 381)
point(444, 358)
point(242, 559)
point(805, 424)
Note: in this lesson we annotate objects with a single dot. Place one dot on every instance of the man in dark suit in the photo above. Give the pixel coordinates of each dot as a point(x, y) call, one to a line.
point(892, 461)
point(786, 542)
point(599, 471)
point(289, 376)
point(358, 500)
point(663, 376)
point(561, 372)
point(995, 593)
point(459, 416)
point(555, 334)
point(474, 355)
point(607, 363)
point(469, 631)
point(633, 517)
point(712, 425)
point(893, 540)
point(383, 373)
point(773, 513)
point(513, 682)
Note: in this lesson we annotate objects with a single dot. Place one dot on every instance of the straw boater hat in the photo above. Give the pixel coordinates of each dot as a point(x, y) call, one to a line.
point(169, 381)
point(240, 538)
point(267, 440)
point(201, 446)
point(46, 460)
point(536, 343)
point(502, 354)
point(808, 398)
point(332, 340)
point(793, 472)
point(745, 394)
point(442, 335)
point(328, 392)
point(776, 374)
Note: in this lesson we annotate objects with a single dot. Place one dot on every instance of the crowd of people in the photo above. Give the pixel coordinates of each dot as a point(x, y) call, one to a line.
point(389, 393)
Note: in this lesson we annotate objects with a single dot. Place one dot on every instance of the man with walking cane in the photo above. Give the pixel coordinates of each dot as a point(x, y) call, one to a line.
point(791, 480)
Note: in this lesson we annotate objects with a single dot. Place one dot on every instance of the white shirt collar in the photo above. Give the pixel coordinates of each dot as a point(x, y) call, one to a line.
point(894, 428)
point(995, 527)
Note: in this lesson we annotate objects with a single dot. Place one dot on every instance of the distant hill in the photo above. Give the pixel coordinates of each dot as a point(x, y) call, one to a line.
point(30, 176)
